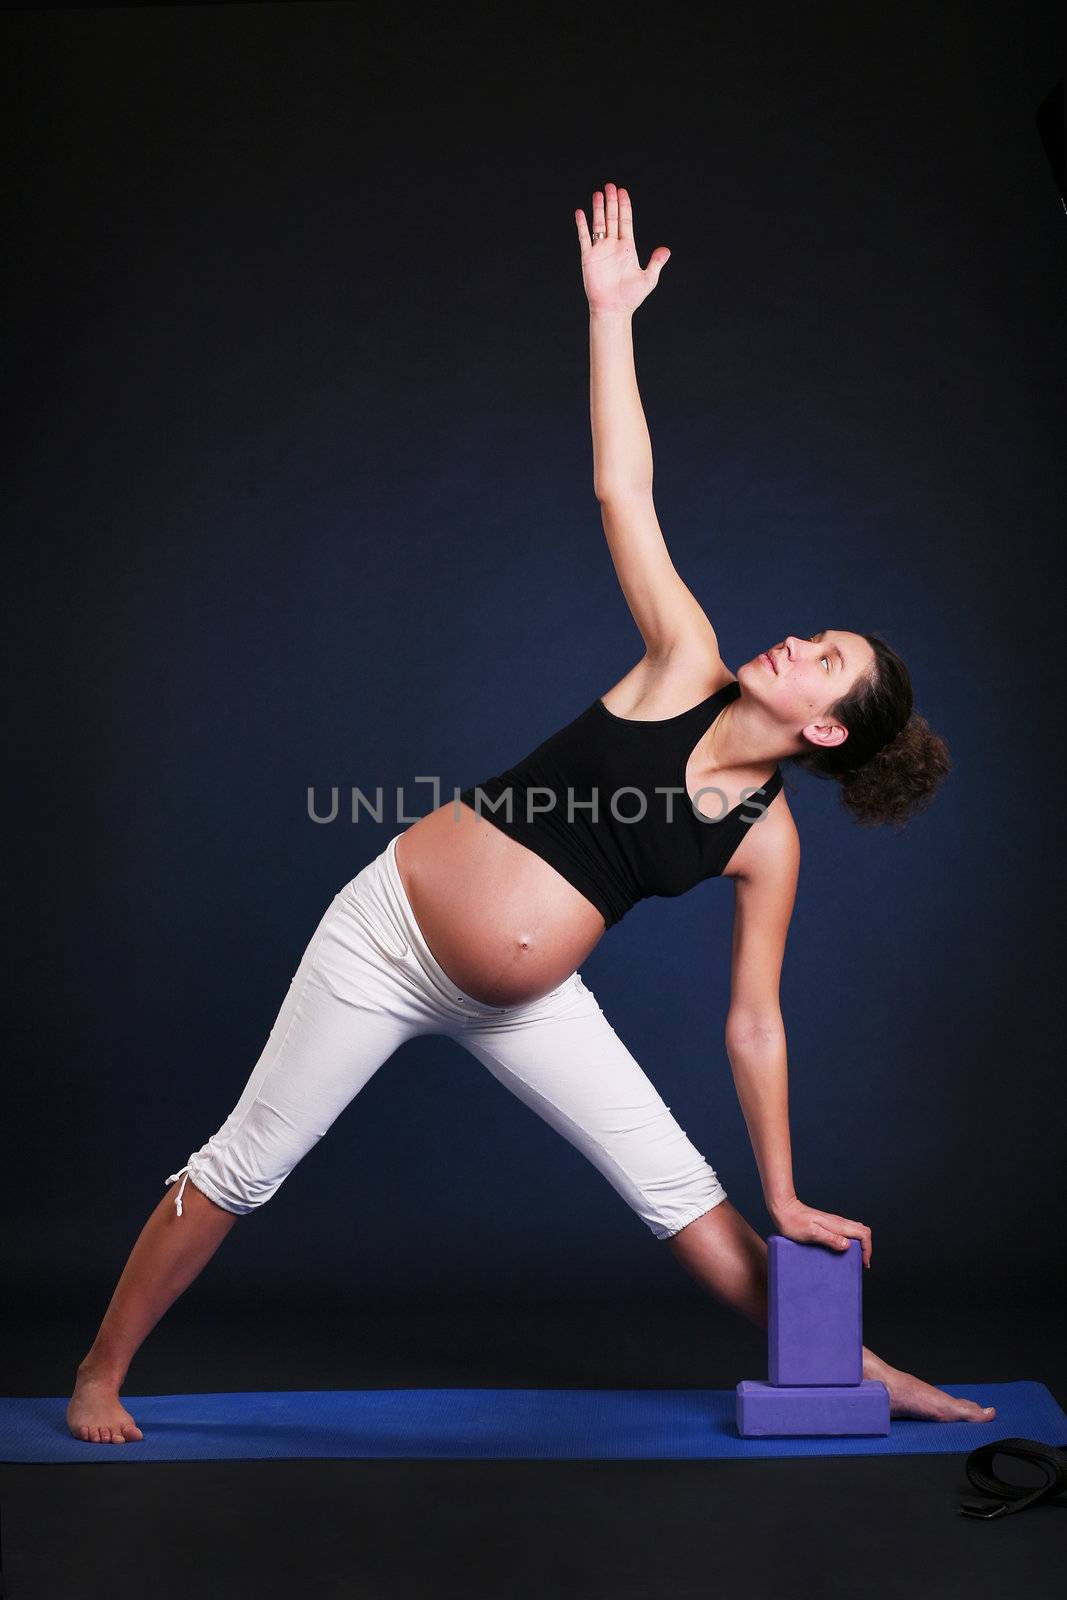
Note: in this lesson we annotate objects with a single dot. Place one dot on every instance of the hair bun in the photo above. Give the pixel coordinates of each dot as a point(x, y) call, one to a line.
point(898, 737)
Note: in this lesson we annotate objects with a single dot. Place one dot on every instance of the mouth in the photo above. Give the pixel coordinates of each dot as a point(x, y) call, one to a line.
point(768, 661)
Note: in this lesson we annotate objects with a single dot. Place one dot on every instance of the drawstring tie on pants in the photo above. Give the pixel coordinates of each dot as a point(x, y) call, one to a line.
point(181, 1186)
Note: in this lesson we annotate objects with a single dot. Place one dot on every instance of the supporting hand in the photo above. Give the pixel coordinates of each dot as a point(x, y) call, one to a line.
point(613, 277)
point(805, 1225)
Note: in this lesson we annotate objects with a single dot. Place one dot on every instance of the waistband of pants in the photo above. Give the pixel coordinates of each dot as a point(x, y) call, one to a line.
point(391, 885)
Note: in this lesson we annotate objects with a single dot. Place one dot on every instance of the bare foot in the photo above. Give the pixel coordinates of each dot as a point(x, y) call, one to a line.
point(96, 1414)
point(911, 1397)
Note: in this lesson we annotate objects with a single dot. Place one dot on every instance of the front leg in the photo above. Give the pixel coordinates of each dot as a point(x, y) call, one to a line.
point(728, 1258)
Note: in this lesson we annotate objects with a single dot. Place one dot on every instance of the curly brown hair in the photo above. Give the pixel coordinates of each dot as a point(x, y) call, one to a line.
point(892, 762)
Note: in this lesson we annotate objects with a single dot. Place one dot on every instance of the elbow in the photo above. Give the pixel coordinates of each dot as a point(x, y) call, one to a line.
point(635, 488)
point(754, 1027)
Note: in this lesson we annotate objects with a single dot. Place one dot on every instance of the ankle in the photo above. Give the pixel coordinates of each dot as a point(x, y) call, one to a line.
point(94, 1370)
point(874, 1366)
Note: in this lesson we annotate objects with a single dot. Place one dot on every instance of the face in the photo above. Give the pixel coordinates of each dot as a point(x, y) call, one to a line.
point(799, 679)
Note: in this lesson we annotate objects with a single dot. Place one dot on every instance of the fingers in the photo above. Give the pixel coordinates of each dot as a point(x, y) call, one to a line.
point(599, 224)
point(612, 216)
point(863, 1234)
point(656, 263)
point(612, 224)
point(841, 1231)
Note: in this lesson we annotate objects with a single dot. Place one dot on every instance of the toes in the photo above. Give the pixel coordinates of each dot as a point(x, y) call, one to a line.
point(103, 1433)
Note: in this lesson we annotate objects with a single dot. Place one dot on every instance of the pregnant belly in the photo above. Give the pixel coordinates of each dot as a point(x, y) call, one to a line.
point(505, 926)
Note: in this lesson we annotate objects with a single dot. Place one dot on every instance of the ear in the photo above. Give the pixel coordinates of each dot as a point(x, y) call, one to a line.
point(824, 735)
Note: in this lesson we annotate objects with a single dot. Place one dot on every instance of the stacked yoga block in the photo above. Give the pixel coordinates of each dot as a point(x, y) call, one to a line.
point(815, 1381)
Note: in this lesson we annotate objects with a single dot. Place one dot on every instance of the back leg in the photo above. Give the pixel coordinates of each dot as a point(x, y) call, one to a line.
point(567, 1063)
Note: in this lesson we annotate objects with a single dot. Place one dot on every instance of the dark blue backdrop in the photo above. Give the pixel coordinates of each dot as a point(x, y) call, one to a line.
point(302, 495)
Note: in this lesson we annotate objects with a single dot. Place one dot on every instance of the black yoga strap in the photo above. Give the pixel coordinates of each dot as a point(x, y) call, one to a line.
point(1052, 1461)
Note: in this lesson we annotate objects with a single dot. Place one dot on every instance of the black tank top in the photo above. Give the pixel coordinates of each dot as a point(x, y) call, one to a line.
point(645, 836)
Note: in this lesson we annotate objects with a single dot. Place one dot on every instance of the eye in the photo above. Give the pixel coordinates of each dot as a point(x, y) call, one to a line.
point(811, 640)
point(829, 667)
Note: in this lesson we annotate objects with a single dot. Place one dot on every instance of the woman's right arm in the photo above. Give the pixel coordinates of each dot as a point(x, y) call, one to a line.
point(755, 1032)
point(666, 612)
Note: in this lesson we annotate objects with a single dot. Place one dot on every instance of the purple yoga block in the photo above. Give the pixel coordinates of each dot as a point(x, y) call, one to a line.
point(815, 1313)
point(767, 1409)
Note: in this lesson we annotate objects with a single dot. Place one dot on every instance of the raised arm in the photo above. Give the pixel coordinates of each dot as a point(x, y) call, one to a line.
point(666, 612)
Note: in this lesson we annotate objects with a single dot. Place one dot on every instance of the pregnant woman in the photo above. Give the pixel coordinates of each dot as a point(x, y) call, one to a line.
point(474, 921)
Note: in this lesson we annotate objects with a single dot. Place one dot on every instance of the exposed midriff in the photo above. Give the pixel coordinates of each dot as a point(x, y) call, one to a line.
point(502, 922)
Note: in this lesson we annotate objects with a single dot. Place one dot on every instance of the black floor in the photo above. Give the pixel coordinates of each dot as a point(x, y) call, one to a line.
point(599, 1530)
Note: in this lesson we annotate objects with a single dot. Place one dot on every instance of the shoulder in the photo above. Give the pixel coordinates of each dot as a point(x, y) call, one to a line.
point(769, 854)
point(664, 683)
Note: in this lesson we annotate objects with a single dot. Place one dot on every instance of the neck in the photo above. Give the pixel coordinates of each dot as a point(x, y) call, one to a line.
point(744, 736)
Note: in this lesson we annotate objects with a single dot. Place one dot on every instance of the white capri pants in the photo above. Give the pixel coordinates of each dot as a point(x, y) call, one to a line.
point(365, 984)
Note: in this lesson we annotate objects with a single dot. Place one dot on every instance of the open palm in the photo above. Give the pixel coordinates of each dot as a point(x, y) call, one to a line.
point(613, 277)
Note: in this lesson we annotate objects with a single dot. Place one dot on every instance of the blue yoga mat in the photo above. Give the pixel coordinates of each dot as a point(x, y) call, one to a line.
point(492, 1424)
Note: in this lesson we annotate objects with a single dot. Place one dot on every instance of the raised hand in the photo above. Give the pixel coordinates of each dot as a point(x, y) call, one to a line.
point(613, 277)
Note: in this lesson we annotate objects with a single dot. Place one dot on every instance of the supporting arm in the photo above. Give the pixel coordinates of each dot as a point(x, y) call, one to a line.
point(758, 1061)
